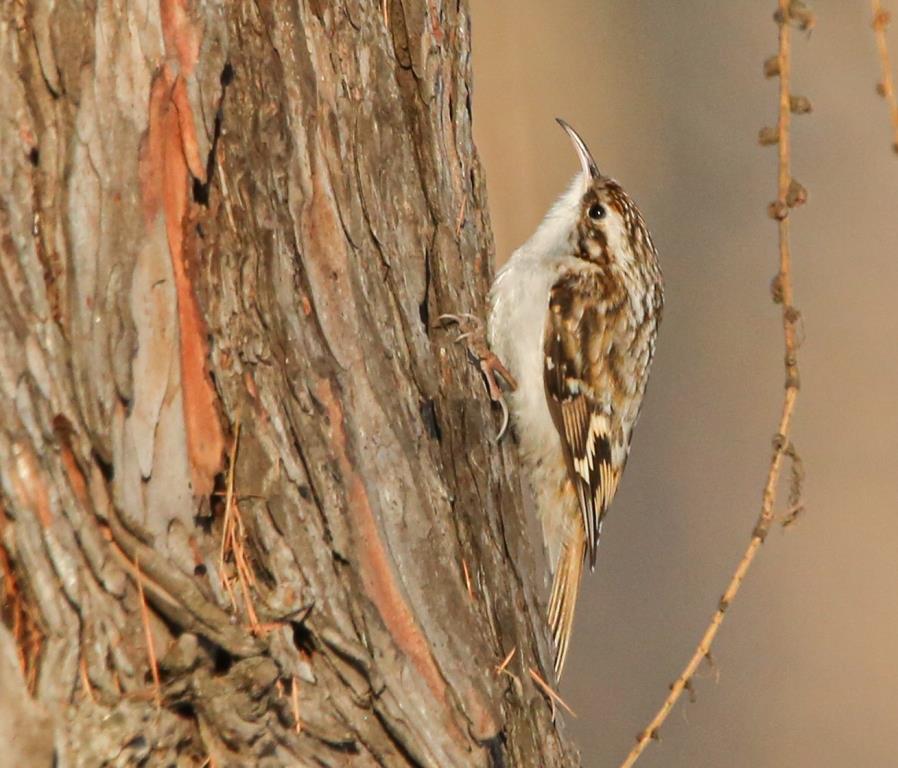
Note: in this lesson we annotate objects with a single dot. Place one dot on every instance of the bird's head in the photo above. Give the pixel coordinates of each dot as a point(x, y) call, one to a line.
point(609, 228)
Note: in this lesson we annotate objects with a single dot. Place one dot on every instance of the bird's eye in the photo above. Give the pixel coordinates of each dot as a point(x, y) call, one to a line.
point(596, 211)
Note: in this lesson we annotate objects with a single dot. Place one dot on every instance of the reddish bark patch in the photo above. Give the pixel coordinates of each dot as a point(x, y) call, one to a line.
point(182, 38)
point(374, 565)
point(168, 155)
point(435, 28)
point(19, 613)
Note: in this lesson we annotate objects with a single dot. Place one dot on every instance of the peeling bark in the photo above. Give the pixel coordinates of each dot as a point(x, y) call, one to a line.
point(225, 232)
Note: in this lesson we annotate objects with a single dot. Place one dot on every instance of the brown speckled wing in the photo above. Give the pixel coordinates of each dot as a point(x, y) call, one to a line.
point(577, 341)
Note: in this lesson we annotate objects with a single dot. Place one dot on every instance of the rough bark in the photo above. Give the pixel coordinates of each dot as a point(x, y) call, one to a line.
point(231, 437)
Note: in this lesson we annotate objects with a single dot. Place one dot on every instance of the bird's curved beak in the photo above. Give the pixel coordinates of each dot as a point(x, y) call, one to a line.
point(590, 169)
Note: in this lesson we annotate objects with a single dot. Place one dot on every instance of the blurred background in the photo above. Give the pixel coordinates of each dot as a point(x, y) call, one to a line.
point(670, 97)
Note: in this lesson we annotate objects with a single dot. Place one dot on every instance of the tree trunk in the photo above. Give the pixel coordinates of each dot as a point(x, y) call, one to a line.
point(251, 513)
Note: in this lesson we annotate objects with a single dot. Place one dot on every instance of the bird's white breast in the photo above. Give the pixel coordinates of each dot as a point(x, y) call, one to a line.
point(519, 302)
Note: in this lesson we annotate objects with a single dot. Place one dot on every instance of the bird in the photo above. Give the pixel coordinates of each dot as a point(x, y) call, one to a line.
point(573, 318)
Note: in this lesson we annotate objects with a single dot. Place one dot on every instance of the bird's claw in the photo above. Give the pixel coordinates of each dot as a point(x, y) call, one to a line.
point(504, 406)
point(489, 364)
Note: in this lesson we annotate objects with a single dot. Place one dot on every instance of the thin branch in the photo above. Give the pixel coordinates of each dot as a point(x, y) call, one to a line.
point(294, 701)
point(464, 565)
point(788, 13)
point(548, 690)
point(506, 661)
point(503, 669)
point(85, 680)
point(148, 634)
point(232, 543)
point(227, 525)
point(886, 86)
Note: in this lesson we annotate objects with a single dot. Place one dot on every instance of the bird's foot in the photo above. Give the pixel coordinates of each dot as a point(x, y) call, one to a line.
point(472, 332)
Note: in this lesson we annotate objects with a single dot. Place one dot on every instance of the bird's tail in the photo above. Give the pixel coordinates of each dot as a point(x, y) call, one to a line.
point(565, 586)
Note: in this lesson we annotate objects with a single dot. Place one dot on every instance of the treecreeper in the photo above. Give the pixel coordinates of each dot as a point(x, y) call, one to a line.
point(574, 316)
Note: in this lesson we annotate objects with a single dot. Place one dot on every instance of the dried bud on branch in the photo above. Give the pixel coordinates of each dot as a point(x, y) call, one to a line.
point(768, 136)
point(798, 15)
point(797, 194)
point(881, 19)
point(778, 210)
point(800, 105)
point(776, 288)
